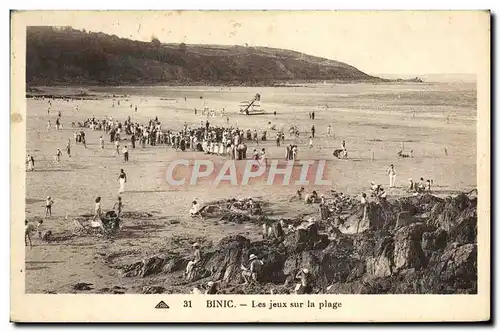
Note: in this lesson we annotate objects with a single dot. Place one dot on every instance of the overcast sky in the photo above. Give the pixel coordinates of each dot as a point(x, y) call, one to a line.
point(404, 43)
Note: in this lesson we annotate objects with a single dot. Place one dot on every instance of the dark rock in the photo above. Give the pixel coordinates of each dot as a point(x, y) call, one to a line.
point(82, 286)
point(458, 266)
point(465, 229)
point(434, 241)
point(174, 264)
point(152, 265)
point(153, 290)
point(408, 251)
point(454, 210)
point(382, 263)
point(409, 255)
point(305, 239)
point(136, 215)
point(131, 270)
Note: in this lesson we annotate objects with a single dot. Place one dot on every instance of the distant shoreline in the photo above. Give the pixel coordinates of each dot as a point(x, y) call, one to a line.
point(282, 84)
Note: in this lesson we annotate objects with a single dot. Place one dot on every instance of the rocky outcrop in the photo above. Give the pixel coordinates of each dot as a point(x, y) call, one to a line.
point(457, 266)
point(382, 263)
point(408, 251)
point(153, 265)
point(433, 251)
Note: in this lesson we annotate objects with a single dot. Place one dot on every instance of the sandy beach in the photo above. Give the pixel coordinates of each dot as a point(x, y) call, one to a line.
point(375, 120)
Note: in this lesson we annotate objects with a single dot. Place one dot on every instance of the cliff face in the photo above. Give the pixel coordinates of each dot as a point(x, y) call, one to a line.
point(68, 56)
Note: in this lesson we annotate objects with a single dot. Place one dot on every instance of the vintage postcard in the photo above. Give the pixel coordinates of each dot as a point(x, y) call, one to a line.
point(250, 166)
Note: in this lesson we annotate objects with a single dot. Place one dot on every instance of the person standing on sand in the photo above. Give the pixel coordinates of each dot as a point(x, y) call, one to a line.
point(312, 115)
point(84, 142)
point(27, 236)
point(125, 153)
point(48, 125)
point(132, 140)
point(313, 130)
point(288, 152)
point(101, 142)
point(58, 155)
point(68, 147)
point(328, 130)
point(122, 178)
point(263, 157)
point(30, 163)
point(48, 207)
point(117, 147)
point(392, 176)
point(310, 142)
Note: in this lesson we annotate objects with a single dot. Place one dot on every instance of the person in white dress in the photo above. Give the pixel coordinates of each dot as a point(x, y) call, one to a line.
point(392, 176)
point(122, 178)
point(30, 162)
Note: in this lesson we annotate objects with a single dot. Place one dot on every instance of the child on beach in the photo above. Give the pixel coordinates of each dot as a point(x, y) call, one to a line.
point(97, 209)
point(58, 155)
point(118, 207)
point(48, 207)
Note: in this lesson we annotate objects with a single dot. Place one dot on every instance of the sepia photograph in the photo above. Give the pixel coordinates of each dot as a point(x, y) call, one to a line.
point(318, 153)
